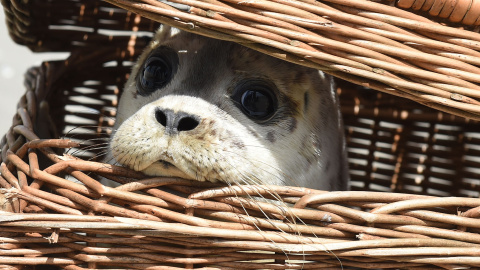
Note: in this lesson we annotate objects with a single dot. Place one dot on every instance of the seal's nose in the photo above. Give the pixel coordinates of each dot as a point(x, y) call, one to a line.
point(174, 122)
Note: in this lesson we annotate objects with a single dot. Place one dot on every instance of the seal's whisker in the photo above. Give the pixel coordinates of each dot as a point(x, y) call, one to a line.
point(253, 163)
point(102, 136)
point(93, 147)
point(99, 155)
point(249, 180)
point(123, 157)
point(254, 224)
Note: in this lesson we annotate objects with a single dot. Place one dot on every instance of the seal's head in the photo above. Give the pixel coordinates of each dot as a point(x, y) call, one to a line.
point(212, 110)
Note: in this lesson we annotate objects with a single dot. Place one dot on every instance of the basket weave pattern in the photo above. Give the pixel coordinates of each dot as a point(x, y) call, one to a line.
point(56, 213)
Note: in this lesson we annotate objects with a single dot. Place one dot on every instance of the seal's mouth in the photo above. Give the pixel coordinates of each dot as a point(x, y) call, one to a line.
point(165, 168)
point(166, 164)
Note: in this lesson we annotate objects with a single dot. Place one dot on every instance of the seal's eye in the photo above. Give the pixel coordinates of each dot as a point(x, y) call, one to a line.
point(157, 71)
point(256, 99)
point(155, 74)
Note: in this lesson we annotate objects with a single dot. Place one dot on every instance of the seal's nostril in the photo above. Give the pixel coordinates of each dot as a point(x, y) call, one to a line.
point(187, 123)
point(175, 122)
point(161, 117)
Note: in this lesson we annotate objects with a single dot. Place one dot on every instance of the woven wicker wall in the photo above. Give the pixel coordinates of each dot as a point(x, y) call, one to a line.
point(397, 145)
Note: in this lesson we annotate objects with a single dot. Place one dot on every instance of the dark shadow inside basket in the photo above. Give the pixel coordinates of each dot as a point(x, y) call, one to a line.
point(393, 144)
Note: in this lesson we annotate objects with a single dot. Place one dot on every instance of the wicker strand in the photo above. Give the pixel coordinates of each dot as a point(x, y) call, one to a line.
point(465, 11)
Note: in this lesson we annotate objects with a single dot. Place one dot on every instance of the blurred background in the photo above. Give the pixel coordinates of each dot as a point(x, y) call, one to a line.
point(14, 61)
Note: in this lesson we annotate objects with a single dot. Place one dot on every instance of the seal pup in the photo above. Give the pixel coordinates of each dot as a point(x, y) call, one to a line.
point(211, 110)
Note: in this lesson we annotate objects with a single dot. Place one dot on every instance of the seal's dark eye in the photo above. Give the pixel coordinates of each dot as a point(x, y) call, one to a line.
point(157, 71)
point(257, 104)
point(155, 74)
point(257, 101)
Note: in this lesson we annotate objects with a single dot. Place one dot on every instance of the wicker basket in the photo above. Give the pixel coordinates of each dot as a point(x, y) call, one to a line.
point(406, 161)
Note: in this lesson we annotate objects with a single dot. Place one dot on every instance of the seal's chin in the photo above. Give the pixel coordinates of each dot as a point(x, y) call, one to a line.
point(165, 168)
